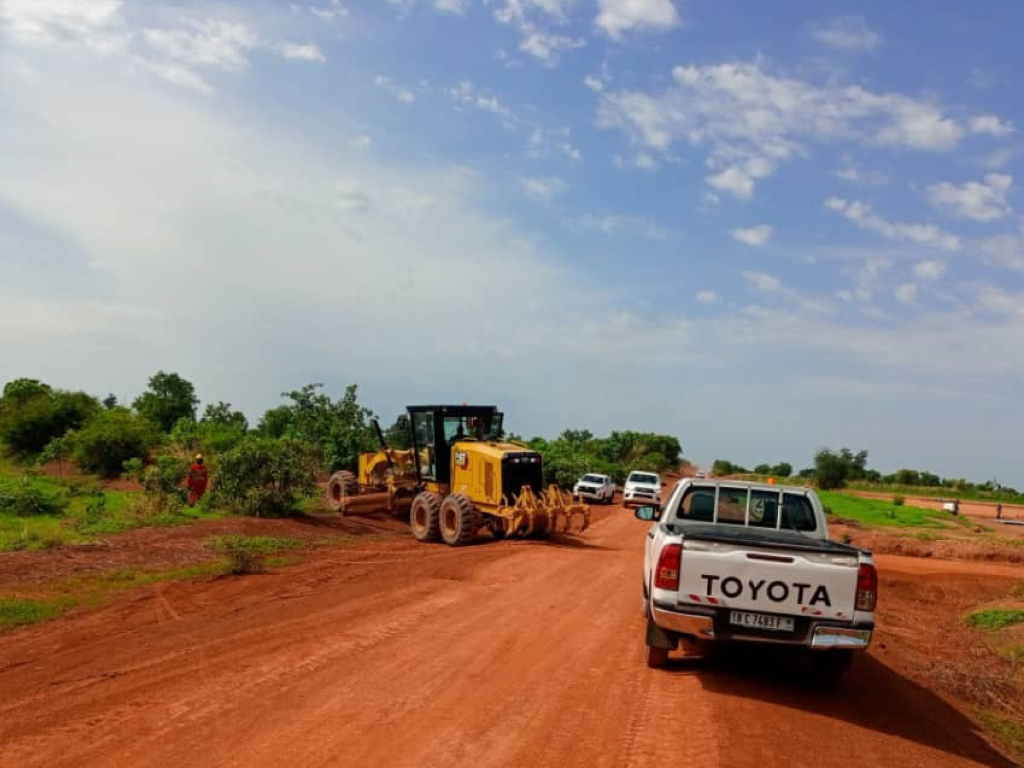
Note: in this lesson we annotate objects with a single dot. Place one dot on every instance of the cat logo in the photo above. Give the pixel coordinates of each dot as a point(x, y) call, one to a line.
point(461, 459)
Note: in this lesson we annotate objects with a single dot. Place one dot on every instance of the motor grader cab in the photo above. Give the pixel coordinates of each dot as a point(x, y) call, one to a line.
point(461, 476)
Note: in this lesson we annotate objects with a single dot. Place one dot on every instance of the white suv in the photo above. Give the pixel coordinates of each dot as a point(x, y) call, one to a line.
point(642, 488)
point(599, 488)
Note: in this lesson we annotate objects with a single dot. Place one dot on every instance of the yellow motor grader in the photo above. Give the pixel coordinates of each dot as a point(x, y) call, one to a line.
point(459, 476)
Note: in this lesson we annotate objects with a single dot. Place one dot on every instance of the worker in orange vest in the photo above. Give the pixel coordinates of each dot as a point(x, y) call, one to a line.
point(196, 480)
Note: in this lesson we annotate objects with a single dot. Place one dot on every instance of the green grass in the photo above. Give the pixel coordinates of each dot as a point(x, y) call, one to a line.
point(995, 618)
point(93, 590)
point(928, 491)
point(882, 512)
point(16, 612)
point(1008, 730)
point(89, 510)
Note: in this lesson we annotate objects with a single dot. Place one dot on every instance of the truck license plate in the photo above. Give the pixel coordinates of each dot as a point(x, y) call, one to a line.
point(761, 621)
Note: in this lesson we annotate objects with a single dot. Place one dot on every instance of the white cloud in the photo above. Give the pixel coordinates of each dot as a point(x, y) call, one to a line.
point(537, 41)
point(848, 33)
point(617, 16)
point(364, 141)
point(863, 216)
point(743, 113)
point(645, 160)
point(543, 189)
point(300, 52)
point(929, 269)
point(997, 158)
point(593, 83)
point(451, 6)
point(630, 225)
point(172, 54)
point(762, 281)
point(906, 294)
point(1006, 250)
point(980, 201)
point(330, 12)
point(992, 125)
point(207, 42)
point(734, 181)
point(854, 175)
point(753, 236)
point(96, 24)
point(547, 47)
point(707, 297)
point(403, 94)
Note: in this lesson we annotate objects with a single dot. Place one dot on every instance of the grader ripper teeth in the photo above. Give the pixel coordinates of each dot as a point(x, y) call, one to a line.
point(532, 513)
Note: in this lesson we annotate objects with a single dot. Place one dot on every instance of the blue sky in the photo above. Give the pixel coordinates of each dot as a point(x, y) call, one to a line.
point(765, 228)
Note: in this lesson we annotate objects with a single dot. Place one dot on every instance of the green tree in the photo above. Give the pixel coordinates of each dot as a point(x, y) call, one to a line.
point(110, 438)
point(831, 469)
point(782, 469)
point(762, 469)
point(397, 435)
point(908, 477)
point(221, 414)
point(110, 401)
point(169, 398)
point(32, 414)
point(340, 429)
point(277, 422)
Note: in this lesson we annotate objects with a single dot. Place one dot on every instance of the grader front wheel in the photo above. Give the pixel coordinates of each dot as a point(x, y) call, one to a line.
point(340, 488)
point(460, 520)
point(425, 516)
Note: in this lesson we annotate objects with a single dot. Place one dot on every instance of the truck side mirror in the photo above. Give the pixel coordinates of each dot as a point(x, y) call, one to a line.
point(648, 512)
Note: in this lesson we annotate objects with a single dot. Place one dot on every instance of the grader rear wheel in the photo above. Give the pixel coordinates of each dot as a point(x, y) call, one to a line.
point(340, 487)
point(424, 516)
point(460, 520)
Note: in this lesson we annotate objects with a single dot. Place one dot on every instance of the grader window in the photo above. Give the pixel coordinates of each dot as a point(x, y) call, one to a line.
point(423, 429)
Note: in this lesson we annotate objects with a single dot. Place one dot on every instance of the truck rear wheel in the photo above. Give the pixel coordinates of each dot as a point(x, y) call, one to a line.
point(341, 486)
point(460, 520)
point(424, 516)
point(656, 657)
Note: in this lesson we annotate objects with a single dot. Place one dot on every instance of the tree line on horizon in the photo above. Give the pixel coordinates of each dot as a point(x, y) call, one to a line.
point(837, 469)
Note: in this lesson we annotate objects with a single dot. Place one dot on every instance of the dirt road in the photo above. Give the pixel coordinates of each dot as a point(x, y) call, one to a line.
point(398, 654)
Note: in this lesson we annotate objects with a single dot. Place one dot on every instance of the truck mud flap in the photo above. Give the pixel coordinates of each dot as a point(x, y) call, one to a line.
point(659, 638)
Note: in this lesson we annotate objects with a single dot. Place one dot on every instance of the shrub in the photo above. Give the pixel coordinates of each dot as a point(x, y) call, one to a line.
point(247, 554)
point(265, 476)
point(22, 498)
point(132, 469)
point(897, 500)
point(163, 482)
point(112, 437)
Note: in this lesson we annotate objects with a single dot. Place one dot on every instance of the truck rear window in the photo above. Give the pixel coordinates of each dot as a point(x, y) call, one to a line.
point(797, 513)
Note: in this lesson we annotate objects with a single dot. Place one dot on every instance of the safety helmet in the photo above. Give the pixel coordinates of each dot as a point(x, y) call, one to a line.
point(199, 457)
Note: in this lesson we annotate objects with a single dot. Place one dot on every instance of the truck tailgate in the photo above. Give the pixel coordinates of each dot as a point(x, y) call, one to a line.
point(813, 584)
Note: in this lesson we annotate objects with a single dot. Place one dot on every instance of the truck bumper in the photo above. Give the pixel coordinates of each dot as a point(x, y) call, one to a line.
point(818, 636)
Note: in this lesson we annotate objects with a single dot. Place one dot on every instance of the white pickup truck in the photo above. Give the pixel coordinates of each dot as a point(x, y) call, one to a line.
point(729, 561)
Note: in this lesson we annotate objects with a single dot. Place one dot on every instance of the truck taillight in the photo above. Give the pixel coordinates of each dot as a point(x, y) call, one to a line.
point(867, 588)
point(666, 575)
